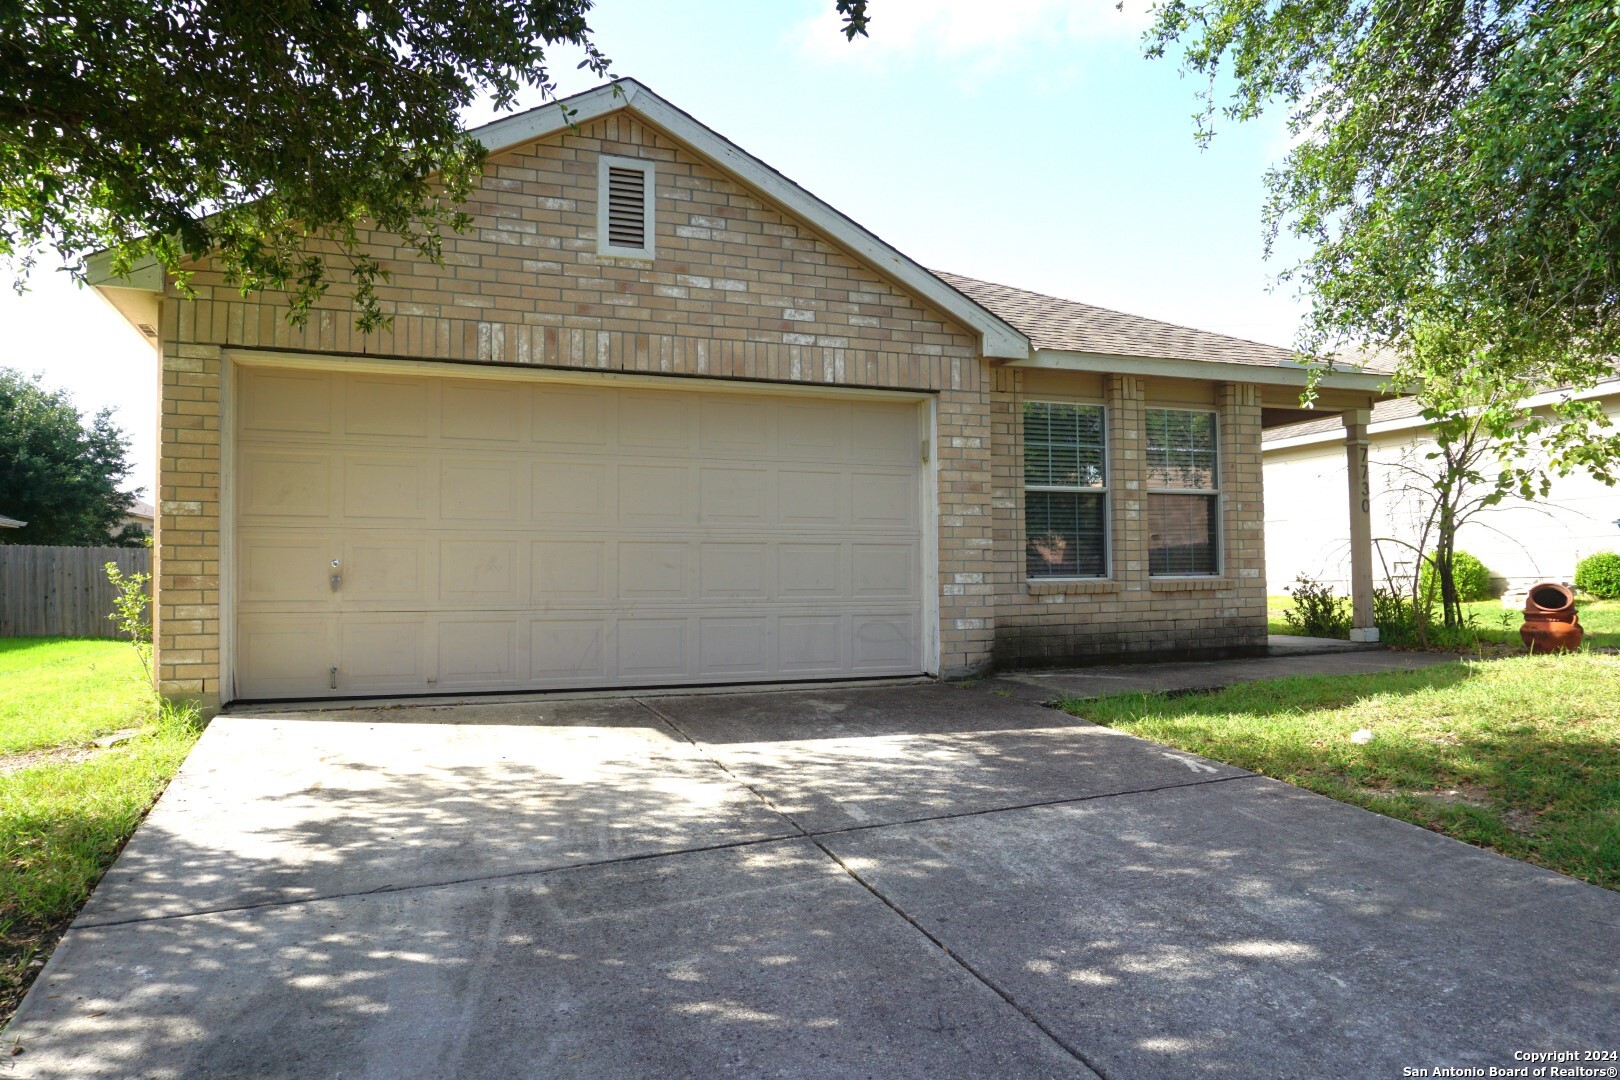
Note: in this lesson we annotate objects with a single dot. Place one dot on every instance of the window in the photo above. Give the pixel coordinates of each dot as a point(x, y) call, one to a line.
point(1183, 493)
point(1065, 491)
point(624, 207)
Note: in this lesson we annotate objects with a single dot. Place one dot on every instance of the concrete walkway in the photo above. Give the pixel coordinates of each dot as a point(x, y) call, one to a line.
point(925, 881)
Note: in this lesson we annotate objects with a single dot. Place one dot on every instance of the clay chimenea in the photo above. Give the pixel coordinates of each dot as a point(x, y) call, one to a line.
point(1550, 622)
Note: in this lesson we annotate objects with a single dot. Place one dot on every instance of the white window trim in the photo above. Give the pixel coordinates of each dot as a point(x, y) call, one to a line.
point(650, 174)
point(1218, 492)
point(1107, 501)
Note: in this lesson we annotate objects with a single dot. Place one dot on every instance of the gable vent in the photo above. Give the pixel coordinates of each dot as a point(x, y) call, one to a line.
point(627, 208)
point(625, 216)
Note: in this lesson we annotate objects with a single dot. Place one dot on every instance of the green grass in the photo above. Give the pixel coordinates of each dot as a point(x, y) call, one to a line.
point(63, 822)
point(1521, 755)
point(1601, 619)
point(65, 692)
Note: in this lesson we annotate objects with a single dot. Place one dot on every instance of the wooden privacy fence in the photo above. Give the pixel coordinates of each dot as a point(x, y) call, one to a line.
point(62, 591)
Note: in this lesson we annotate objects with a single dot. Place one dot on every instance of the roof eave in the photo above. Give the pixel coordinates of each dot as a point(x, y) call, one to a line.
point(1265, 374)
point(998, 339)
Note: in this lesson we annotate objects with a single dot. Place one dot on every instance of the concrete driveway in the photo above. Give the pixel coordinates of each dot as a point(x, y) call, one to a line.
point(924, 881)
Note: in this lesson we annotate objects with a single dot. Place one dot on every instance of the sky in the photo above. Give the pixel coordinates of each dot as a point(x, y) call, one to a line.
point(1027, 142)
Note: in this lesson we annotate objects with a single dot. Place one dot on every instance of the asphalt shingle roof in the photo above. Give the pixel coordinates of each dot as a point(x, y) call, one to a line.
point(1054, 323)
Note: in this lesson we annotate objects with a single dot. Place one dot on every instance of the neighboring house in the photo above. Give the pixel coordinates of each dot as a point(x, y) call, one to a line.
point(1520, 542)
point(142, 514)
point(11, 523)
point(663, 417)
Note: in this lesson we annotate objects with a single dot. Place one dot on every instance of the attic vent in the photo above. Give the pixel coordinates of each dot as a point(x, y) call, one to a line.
point(625, 208)
point(148, 329)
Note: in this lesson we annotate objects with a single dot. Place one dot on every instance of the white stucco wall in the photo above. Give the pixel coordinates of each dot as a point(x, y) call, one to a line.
point(1308, 519)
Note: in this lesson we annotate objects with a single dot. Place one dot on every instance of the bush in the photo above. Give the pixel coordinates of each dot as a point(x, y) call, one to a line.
point(1473, 581)
point(1394, 617)
point(1599, 575)
point(1316, 611)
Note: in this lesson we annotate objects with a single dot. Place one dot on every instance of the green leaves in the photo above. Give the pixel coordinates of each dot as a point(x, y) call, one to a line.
point(1455, 163)
point(58, 473)
point(261, 134)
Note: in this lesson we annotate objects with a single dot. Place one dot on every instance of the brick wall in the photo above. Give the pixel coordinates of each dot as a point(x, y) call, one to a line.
point(738, 291)
point(1129, 613)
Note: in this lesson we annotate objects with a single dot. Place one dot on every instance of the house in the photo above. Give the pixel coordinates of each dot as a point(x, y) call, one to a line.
point(1520, 542)
point(664, 417)
point(141, 514)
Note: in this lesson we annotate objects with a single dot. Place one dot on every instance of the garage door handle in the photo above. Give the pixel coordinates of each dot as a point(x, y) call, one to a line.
point(337, 582)
point(333, 681)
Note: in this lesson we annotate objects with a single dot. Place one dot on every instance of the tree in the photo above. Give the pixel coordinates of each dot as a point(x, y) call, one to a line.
point(1487, 448)
point(262, 134)
point(57, 473)
point(1455, 165)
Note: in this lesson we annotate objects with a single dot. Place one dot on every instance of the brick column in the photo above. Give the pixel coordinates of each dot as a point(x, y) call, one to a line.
point(1127, 479)
point(1363, 627)
point(185, 550)
point(1243, 518)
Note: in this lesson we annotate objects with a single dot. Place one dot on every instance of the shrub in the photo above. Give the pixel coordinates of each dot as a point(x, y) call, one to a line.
point(1316, 611)
point(1599, 575)
point(1394, 617)
point(1473, 581)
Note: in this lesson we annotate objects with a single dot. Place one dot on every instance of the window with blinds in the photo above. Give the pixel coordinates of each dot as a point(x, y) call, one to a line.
point(1183, 493)
point(1065, 490)
point(624, 219)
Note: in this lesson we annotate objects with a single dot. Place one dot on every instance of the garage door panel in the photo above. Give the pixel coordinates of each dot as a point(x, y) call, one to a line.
point(737, 645)
point(813, 497)
point(811, 644)
point(379, 405)
point(568, 650)
point(478, 653)
point(277, 485)
point(387, 571)
point(655, 495)
point(570, 570)
point(886, 500)
point(480, 573)
point(288, 568)
point(285, 655)
point(482, 412)
point(574, 492)
point(383, 654)
point(733, 571)
point(492, 489)
point(497, 535)
point(286, 401)
point(731, 496)
point(809, 571)
point(655, 420)
point(396, 487)
point(653, 571)
point(572, 416)
point(882, 643)
point(651, 648)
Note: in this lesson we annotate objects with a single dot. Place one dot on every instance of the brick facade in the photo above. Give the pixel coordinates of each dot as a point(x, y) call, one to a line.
point(739, 291)
point(1128, 614)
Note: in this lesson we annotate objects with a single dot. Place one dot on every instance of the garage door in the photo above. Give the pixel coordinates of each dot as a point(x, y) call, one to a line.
point(432, 535)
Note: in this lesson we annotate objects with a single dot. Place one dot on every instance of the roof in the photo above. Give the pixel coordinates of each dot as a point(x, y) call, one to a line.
point(1051, 322)
point(142, 509)
point(11, 523)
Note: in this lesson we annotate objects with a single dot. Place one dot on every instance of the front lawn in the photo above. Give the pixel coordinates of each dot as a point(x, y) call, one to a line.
point(1521, 755)
point(67, 805)
point(1601, 618)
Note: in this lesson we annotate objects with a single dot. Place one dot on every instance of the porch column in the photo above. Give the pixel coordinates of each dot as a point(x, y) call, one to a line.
point(1362, 626)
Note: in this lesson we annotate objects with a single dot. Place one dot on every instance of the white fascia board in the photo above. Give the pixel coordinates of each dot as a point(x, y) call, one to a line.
point(998, 339)
point(1610, 388)
point(1279, 375)
point(145, 276)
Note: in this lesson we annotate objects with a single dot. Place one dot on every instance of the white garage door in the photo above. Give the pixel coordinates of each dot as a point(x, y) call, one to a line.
point(429, 535)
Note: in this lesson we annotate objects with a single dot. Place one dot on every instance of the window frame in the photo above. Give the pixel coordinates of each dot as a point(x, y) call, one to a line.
point(1215, 494)
point(1103, 492)
point(649, 171)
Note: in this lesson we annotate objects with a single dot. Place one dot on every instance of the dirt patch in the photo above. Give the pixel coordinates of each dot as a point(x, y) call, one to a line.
point(54, 755)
